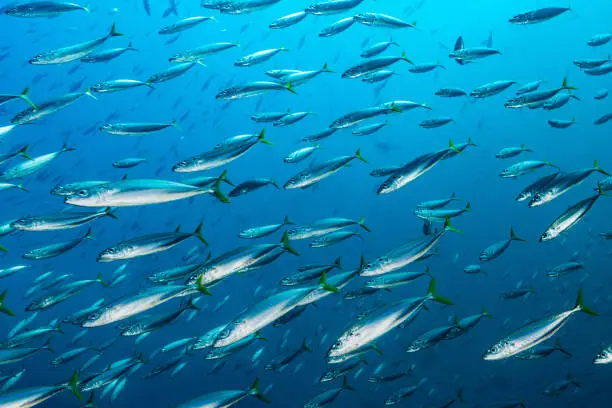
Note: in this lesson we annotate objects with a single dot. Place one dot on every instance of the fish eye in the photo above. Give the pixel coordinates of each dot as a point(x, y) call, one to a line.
point(93, 316)
point(82, 193)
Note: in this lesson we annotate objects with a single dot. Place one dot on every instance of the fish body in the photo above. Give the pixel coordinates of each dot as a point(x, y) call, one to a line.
point(381, 20)
point(263, 231)
point(529, 87)
point(337, 27)
point(373, 65)
point(321, 171)
point(524, 167)
point(288, 20)
point(301, 154)
point(410, 172)
point(329, 7)
point(392, 280)
point(47, 9)
point(538, 16)
point(106, 55)
point(117, 85)
point(599, 39)
point(49, 107)
point(333, 238)
point(72, 53)
point(224, 399)
point(569, 218)
point(252, 89)
point(495, 250)
point(59, 221)
point(378, 48)
point(440, 215)
point(53, 250)
point(184, 24)
point(450, 92)
point(258, 57)
point(491, 89)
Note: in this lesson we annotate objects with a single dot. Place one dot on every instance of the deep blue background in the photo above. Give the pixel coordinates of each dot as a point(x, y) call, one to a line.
point(529, 53)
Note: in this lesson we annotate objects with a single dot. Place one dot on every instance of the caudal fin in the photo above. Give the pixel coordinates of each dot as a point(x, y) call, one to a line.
point(346, 385)
point(3, 308)
point(514, 237)
point(262, 138)
point(359, 156)
point(565, 85)
point(433, 295)
point(216, 190)
point(305, 346)
point(327, 286)
point(286, 221)
point(254, 390)
point(114, 32)
point(74, 385)
point(598, 168)
point(362, 224)
point(287, 245)
point(198, 234)
point(582, 307)
point(25, 97)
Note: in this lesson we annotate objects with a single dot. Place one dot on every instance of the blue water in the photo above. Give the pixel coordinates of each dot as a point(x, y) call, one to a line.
point(535, 52)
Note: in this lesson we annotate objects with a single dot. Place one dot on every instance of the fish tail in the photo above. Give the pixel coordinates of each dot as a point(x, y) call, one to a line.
point(260, 336)
point(598, 168)
point(460, 396)
point(287, 245)
point(87, 8)
point(326, 69)
point(394, 108)
point(405, 58)
point(305, 346)
point(337, 262)
point(23, 152)
point(290, 88)
point(433, 295)
point(273, 182)
point(189, 305)
point(216, 190)
point(470, 142)
point(203, 289)
point(88, 235)
point(21, 187)
point(448, 226)
point(486, 314)
point(47, 345)
point(286, 221)
point(25, 97)
point(359, 156)
point(565, 85)
point(514, 237)
point(262, 138)
point(327, 286)
point(73, 384)
point(3, 308)
point(526, 149)
point(572, 380)
point(362, 224)
point(346, 385)
point(254, 390)
point(198, 234)
point(223, 177)
point(582, 307)
point(454, 197)
point(114, 32)
point(99, 280)
point(468, 206)
point(428, 272)
point(559, 347)
point(66, 148)
point(90, 94)
point(108, 212)
point(452, 146)
point(3, 248)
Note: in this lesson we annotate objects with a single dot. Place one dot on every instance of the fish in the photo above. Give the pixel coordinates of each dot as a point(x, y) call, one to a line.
point(74, 52)
point(129, 162)
point(570, 217)
point(536, 98)
point(24, 96)
point(529, 87)
point(252, 89)
point(107, 55)
point(337, 27)
point(148, 244)
point(392, 280)
point(603, 119)
point(135, 129)
point(599, 39)
point(328, 7)
point(288, 20)
point(49, 107)
point(278, 363)
point(373, 65)
point(561, 124)
point(363, 334)
point(495, 250)
point(425, 67)
point(382, 20)
point(60, 221)
point(450, 93)
point(369, 129)
point(136, 192)
point(440, 215)
point(538, 15)
point(318, 172)
point(532, 334)
point(300, 155)
point(309, 273)
point(463, 55)
point(264, 231)
point(328, 397)
point(258, 57)
point(57, 249)
point(333, 238)
point(604, 356)
point(378, 48)
point(226, 398)
point(198, 53)
point(45, 9)
point(183, 24)
point(118, 85)
point(406, 254)
point(138, 327)
point(491, 89)
point(323, 227)
point(525, 167)
point(436, 122)
point(30, 397)
point(16, 354)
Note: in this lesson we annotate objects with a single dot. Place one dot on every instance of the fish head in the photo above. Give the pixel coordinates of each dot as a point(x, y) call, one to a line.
point(390, 185)
point(604, 356)
point(548, 235)
point(296, 181)
point(121, 251)
point(184, 166)
point(26, 223)
point(375, 267)
point(519, 18)
point(329, 376)
point(98, 317)
point(88, 197)
point(230, 333)
point(501, 350)
point(297, 232)
point(39, 304)
point(64, 189)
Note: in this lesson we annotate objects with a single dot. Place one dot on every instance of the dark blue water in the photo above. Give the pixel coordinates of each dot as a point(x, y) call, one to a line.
point(536, 52)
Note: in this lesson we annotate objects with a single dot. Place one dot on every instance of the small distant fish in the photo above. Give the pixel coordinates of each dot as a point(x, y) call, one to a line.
point(538, 16)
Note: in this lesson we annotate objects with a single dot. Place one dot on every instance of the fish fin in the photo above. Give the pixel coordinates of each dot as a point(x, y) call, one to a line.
point(203, 289)
point(66, 148)
point(290, 88)
point(47, 345)
point(360, 157)
point(559, 347)
point(428, 272)
point(376, 349)
point(394, 108)
point(405, 58)
point(26, 98)
point(114, 32)
point(431, 293)
point(273, 182)
point(287, 245)
point(254, 390)
point(21, 187)
point(337, 262)
point(327, 286)
point(216, 188)
point(598, 168)
point(565, 85)
point(108, 211)
point(346, 385)
point(88, 235)
point(582, 307)
point(485, 313)
point(326, 69)
point(198, 234)
point(448, 226)
point(90, 94)
point(262, 138)
point(286, 221)
point(259, 336)
point(23, 152)
point(362, 224)
point(514, 237)
point(190, 305)
point(99, 280)
point(468, 207)
point(305, 346)
point(74, 385)
point(223, 177)
point(454, 148)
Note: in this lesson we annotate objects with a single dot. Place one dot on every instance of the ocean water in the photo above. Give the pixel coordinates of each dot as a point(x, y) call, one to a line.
point(544, 51)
